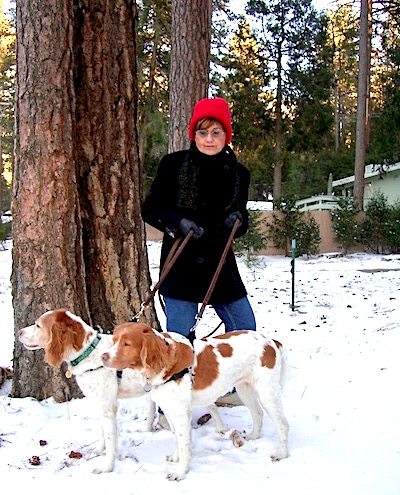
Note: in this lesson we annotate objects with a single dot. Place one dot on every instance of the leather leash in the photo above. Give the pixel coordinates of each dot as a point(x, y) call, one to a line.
point(169, 262)
point(192, 331)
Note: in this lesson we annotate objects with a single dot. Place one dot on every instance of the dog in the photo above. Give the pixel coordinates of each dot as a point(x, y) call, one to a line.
point(66, 337)
point(181, 376)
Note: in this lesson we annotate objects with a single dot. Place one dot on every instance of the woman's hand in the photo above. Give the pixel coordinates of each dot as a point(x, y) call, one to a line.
point(186, 225)
point(230, 221)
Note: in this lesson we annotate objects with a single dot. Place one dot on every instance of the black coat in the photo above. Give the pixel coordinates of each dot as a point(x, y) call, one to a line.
point(204, 189)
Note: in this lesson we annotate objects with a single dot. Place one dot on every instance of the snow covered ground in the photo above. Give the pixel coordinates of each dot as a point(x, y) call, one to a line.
point(341, 401)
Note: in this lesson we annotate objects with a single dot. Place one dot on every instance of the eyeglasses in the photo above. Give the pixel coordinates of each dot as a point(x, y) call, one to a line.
point(215, 133)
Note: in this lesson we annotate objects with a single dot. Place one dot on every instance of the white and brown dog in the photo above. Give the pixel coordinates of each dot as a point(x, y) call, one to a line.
point(180, 377)
point(66, 337)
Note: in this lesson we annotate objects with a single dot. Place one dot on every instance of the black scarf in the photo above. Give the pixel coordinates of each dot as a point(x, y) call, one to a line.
point(188, 191)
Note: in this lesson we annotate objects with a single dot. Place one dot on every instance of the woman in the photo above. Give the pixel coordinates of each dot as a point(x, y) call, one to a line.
point(203, 189)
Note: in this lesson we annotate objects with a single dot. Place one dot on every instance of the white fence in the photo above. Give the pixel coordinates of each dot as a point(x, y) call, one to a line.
point(318, 203)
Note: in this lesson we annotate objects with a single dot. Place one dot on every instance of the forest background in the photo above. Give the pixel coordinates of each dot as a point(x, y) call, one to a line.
point(312, 57)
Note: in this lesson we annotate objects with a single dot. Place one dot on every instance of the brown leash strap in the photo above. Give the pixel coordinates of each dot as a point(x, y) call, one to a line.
point(169, 262)
point(192, 333)
point(219, 268)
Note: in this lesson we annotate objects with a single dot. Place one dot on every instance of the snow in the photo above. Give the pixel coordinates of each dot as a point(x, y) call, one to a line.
point(259, 205)
point(341, 400)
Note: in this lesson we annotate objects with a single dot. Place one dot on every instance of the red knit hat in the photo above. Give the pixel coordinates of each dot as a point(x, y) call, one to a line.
point(215, 108)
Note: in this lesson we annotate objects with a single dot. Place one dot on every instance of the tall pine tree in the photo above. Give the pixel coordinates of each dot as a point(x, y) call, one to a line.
point(285, 31)
point(243, 82)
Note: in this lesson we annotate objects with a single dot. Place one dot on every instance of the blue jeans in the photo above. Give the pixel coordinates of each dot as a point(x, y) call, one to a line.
point(181, 315)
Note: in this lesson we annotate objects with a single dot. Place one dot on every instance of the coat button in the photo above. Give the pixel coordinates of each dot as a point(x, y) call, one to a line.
point(200, 260)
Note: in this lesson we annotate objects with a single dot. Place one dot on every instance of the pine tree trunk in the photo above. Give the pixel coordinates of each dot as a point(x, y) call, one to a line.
point(277, 190)
point(190, 55)
point(110, 178)
point(48, 269)
point(79, 241)
point(362, 98)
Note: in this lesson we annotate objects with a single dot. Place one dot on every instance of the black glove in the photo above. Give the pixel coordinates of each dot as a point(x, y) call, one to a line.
point(230, 221)
point(185, 226)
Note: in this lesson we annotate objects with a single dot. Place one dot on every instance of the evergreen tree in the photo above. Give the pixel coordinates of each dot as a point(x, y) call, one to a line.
point(7, 90)
point(285, 33)
point(363, 102)
point(310, 97)
point(343, 38)
point(191, 33)
point(385, 124)
point(154, 43)
point(243, 82)
point(310, 134)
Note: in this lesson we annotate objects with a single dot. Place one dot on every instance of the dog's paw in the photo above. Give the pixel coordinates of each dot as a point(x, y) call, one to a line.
point(279, 456)
point(176, 476)
point(104, 468)
point(252, 436)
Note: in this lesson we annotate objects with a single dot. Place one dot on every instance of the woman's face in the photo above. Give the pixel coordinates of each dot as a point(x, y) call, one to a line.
point(210, 140)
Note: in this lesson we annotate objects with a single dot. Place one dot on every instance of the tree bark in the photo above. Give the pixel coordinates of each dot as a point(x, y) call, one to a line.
point(277, 189)
point(78, 239)
point(110, 175)
point(48, 268)
point(362, 98)
point(190, 56)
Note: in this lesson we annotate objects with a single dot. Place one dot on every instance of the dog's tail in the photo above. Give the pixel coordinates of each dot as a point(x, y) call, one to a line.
point(285, 368)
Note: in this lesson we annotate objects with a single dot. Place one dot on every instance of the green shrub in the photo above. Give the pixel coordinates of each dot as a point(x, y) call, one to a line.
point(345, 227)
point(253, 241)
point(380, 231)
point(307, 237)
point(290, 223)
point(393, 234)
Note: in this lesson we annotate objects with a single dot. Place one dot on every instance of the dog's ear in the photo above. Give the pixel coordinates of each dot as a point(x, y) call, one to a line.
point(183, 356)
point(65, 334)
point(154, 353)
